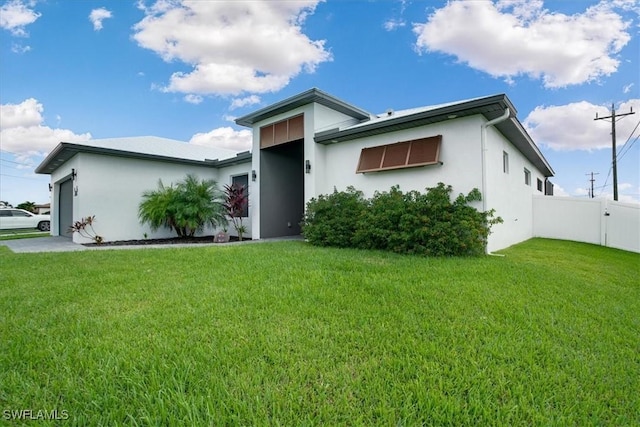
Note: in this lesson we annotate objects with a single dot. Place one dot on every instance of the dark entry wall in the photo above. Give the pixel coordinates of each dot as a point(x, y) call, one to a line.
point(281, 189)
point(65, 208)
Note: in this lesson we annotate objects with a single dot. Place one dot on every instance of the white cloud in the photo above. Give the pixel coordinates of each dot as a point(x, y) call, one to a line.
point(23, 132)
point(225, 137)
point(233, 47)
point(19, 48)
point(243, 102)
point(627, 88)
point(572, 126)
point(581, 192)
point(393, 24)
point(193, 99)
point(97, 16)
point(510, 38)
point(559, 191)
point(15, 15)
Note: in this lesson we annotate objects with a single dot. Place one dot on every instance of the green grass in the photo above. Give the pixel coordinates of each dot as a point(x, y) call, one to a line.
point(290, 334)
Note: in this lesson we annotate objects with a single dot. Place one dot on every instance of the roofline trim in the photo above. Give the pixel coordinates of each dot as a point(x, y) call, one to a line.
point(328, 137)
point(81, 148)
point(308, 97)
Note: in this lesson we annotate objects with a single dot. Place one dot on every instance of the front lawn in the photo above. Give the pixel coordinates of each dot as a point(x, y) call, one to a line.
point(291, 334)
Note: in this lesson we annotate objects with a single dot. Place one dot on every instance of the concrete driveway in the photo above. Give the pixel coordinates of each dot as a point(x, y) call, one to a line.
point(42, 244)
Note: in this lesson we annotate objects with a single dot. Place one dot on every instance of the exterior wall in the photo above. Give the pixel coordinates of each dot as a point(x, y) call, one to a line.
point(459, 153)
point(256, 153)
point(597, 221)
point(317, 117)
point(225, 176)
point(111, 189)
point(57, 177)
point(507, 193)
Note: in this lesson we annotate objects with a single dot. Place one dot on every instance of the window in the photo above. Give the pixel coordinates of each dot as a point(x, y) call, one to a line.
point(527, 176)
point(405, 154)
point(539, 185)
point(243, 180)
point(505, 162)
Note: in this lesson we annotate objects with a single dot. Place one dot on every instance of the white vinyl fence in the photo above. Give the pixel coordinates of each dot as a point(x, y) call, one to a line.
point(598, 221)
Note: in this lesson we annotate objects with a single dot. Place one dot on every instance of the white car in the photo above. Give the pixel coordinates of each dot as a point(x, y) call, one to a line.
point(19, 218)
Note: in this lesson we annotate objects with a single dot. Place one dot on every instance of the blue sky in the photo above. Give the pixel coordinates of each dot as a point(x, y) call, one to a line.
point(75, 70)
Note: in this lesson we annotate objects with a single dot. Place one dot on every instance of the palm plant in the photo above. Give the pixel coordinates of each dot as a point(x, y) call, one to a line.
point(185, 208)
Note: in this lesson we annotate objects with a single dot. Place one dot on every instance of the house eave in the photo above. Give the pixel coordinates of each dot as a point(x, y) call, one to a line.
point(308, 97)
point(66, 150)
point(243, 157)
point(490, 107)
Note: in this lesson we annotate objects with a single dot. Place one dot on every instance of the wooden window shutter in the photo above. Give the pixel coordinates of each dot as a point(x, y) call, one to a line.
point(405, 154)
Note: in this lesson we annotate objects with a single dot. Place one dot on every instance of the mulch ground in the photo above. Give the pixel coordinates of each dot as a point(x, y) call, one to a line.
point(167, 241)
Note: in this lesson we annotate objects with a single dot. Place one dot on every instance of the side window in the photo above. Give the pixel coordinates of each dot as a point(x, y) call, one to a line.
point(527, 176)
point(505, 162)
point(243, 180)
point(20, 213)
point(5, 212)
point(539, 185)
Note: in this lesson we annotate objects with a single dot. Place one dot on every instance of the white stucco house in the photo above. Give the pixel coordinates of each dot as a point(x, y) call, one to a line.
point(308, 145)
point(106, 178)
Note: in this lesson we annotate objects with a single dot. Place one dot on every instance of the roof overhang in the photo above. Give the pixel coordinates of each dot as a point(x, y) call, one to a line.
point(243, 157)
point(490, 107)
point(304, 98)
point(66, 150)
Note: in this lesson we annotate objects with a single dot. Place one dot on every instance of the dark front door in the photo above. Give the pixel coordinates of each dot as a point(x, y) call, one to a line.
point(65, 208)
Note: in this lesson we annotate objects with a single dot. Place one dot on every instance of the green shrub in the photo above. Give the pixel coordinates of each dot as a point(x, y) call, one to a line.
point(413, 222)
point(331, 220)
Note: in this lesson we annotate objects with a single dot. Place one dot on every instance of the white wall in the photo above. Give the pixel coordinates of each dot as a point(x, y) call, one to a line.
point(459, 153)
point(507, 193)
point(597, 221)
point(225, 177)
point(622, 226)
point(111, 189)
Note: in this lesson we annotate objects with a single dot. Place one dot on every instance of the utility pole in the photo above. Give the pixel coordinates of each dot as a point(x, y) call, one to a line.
point(613, 117)
point(592, 181)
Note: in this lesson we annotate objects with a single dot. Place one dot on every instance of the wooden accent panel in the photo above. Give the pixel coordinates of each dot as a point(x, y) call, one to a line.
point(296, 127)
point(425, 151)
point(266, 136)
point(396, 155)
point(405, 154)
point(371, 159)
point(282, 132)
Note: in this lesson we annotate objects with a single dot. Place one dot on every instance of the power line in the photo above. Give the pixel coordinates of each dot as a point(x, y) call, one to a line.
point(613, 145)
point(9, 161)
point(629, 149)
point(15, 176)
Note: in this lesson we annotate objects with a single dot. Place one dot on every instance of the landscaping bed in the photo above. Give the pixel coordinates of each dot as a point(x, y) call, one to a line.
point(166, 241)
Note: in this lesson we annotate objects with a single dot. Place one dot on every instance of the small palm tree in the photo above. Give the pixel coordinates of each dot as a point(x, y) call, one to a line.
point(185, 208)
